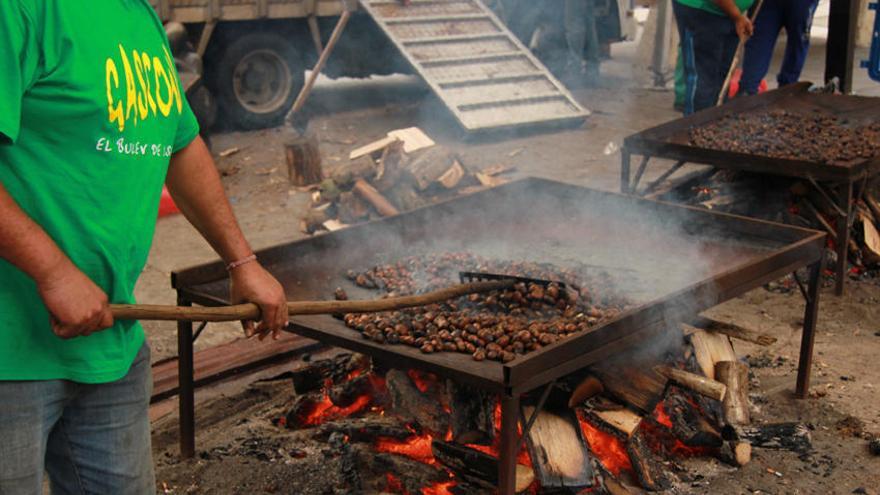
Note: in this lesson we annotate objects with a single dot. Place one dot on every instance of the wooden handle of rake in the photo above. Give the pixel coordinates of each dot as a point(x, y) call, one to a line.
point(252, 311)
point(737, 56)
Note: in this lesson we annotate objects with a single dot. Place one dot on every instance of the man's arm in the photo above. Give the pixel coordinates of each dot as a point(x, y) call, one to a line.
point(195, 185)
point(77, 306)
point(744, 26)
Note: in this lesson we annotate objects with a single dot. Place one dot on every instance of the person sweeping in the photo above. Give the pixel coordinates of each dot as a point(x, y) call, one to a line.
point(92, 123)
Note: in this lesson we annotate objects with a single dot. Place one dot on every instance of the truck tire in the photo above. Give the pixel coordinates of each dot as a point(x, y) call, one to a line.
point(257, 79)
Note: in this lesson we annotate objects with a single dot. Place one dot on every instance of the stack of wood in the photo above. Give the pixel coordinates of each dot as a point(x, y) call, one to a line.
point(402, 171)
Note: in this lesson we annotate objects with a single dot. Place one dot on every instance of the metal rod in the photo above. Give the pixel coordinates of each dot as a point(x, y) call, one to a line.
point(202, 326)
point(624, 170)
point(811, 313)
point(641, 171)
point(827, 196)
point(843, 223)
point(665, 175)
point(186, 385)
point(508, 449)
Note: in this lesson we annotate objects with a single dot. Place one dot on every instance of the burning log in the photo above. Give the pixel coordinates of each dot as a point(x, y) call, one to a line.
point(781, 436)
point(369, 193)
point(623, 421)
point(587, 388)
point(410, 403)
point(364, 429)
point(687, 423)
point(709, 348)
point(700, 384)
point(558, 450)
point(650, 473)
point(472, 412)
point(476, 467)
point(315, 376)
point(735, 331)
point(734, 375)
point(347, 393)
point(303, 160)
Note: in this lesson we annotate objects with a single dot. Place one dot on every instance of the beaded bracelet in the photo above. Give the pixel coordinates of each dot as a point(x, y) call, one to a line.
point(235, 264)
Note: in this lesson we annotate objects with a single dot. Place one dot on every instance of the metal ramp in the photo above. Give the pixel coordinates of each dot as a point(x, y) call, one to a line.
point(477, 68)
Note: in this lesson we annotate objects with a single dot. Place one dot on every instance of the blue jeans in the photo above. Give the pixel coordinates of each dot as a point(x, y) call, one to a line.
point(91, 439)
point(796, 16)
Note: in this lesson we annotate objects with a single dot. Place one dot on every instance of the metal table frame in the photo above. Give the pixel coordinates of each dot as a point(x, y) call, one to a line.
point(657, 142)
point(804, 248)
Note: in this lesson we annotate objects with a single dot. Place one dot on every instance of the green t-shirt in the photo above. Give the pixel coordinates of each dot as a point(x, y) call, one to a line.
point(709, 5)
point(91, 109)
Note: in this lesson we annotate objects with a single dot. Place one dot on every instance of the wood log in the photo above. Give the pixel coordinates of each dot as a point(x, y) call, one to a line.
point(872, 203)
point(409, 403)
point(426, 168)
point(735, 331)
point(587, 388)
point(362, 168)
point(689, 424)
point(735, 376)
point(350, 391)
point(650, 473)
point(624, 421)
point(780, 436)
point(303, 160)
point(472, 412)
point(389, 168)
point(735, 453)
point(314, 376)
point(700, 384)
point(709, 348)
point(364, 429)
point(558, 450)
point(476, 467)
point(369, 193)
point(351, 208)
point(635, 384)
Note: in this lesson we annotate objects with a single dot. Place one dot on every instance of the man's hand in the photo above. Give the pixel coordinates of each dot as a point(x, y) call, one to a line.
point(252, 283)
point(76, 305)
point(744, 27)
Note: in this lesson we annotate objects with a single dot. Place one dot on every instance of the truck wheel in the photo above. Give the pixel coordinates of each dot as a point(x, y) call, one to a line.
point(258, 77)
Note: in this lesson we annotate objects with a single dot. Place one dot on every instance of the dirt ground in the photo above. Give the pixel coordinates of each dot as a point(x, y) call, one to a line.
point(844, 403)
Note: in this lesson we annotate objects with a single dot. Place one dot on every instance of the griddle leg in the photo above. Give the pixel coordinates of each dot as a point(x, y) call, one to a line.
point(843, 223)
point(624, 170)
point(509, 445)
point(186, 397)
point(805, 362)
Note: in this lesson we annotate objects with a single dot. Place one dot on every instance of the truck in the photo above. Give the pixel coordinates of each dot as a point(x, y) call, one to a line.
point(255, 52)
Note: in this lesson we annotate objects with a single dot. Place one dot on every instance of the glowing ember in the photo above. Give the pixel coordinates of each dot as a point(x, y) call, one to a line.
point(441, 488)
point(326, 411)
point(393, 484)
point(661, 416)
point(607, 448)
point(423, 381)
point(661, 437)
point(416, 447)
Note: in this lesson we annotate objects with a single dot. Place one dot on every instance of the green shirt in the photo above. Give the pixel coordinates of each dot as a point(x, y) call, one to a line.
point(709, 5)
point(91, 109)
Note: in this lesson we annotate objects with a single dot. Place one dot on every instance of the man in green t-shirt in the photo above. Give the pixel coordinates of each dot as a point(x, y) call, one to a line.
point(93, 121)
point(710, 31)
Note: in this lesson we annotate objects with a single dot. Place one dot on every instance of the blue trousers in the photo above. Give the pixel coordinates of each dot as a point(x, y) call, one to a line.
point(796, 17)
point(708, 44)
point(90, 439)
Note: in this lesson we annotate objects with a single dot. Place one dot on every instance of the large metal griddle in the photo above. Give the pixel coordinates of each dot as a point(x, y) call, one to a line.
point(672, 261)
point(670, 141)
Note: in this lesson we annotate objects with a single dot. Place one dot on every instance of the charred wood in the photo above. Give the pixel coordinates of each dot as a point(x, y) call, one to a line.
point(348, 392)
point(639, 386)
point(735, 331)
point(472, 412)
point(477, 467)
point(735, 453)
point(782, 436)
point(688, 424)
point(364, 429)
point(651, 474)
point(589, 387)
point(408, 402)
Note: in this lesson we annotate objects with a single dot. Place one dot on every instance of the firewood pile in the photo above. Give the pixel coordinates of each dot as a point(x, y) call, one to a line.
point(621, 426)
point(498, 325)
point(401, 172)
point(800, 202)
point(783, 134)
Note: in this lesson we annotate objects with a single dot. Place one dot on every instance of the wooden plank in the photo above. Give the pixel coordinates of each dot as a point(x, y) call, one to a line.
point(558, 451)
point(225, 360)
